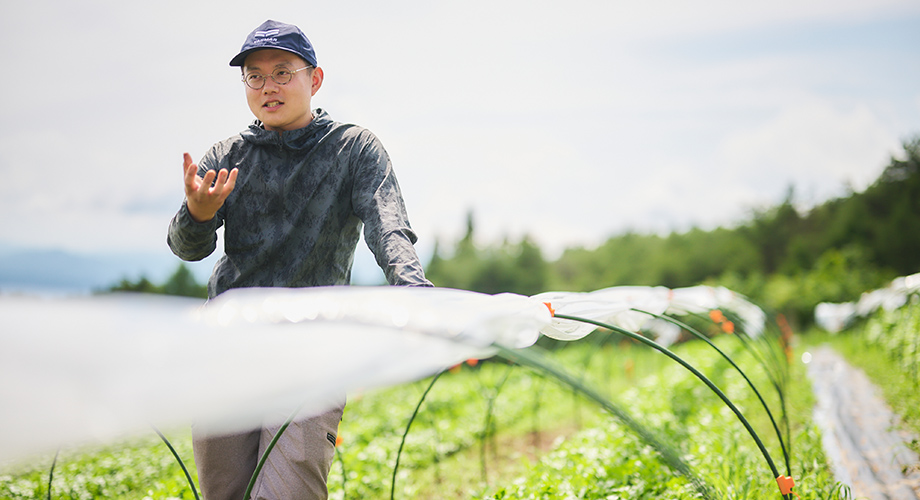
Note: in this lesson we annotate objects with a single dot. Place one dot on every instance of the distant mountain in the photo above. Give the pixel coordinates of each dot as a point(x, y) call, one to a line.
point(53, 271)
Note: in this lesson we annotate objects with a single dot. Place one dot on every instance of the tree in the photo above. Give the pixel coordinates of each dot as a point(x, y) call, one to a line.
point(508, 267)
point(143, 285)
point(182, 283)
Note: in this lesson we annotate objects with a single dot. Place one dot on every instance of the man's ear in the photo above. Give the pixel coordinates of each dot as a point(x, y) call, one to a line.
point(317, 80)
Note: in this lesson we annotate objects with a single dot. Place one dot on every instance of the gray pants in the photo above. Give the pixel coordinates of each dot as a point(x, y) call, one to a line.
point(296, 469)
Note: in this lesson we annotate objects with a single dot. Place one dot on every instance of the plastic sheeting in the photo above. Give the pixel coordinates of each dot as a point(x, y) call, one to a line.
point(92, 369)
point(633, 308)
point(835, 317)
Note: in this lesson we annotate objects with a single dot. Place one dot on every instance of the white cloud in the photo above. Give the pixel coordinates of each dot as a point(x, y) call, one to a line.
point(817, 147)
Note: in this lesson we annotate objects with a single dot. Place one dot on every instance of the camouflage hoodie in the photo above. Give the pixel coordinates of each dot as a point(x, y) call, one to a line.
point(294, 217)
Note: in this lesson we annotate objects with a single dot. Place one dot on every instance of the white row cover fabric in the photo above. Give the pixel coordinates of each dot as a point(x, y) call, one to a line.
point(835, 317)
point(634, 308)
point(92, 369)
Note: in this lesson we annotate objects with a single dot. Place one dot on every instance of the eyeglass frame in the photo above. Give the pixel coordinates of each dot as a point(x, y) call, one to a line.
point(272, 75)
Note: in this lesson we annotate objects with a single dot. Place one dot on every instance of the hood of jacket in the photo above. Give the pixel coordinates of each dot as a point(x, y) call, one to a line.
point(298, 139)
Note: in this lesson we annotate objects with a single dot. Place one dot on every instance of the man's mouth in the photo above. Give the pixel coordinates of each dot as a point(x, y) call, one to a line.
point(272, 104)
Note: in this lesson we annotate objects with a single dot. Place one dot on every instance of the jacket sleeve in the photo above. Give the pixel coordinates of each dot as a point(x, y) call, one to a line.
point(378, 202)
point(188, 239)
point(191, 240)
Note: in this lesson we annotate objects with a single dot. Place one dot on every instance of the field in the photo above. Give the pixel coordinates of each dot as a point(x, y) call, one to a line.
point(498, 430)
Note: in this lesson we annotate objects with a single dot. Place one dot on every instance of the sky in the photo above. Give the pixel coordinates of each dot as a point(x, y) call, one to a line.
point(568, 122)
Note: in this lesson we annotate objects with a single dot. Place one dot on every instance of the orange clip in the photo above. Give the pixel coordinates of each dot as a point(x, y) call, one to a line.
point(552, 312)
point(785, 485)
point(716, 316)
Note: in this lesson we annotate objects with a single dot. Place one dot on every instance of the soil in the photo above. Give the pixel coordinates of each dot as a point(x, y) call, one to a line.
point(862, 438)
point(507, 456)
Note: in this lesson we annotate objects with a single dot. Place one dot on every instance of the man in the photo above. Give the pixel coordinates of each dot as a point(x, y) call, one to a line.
point(292, 192)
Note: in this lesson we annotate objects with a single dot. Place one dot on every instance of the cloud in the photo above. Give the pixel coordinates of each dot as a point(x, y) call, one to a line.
point(567, 121)
point(816, 146)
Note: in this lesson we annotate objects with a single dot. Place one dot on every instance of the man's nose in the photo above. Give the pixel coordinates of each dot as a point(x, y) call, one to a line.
point(270, 86)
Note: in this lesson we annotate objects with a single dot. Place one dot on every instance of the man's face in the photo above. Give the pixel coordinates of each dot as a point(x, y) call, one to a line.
point(281, 107)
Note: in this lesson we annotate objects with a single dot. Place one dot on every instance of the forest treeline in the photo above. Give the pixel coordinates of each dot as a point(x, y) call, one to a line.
point(785, 259)
point(782, 258)
point(182, 283)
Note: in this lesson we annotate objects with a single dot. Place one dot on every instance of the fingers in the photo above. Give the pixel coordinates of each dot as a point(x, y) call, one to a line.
point(190, 171)
point(221, 178)
point(231, 180)
point(205, 194)
point(188, 167)
point(205, 186)
point(224, 180)
point(224, 185)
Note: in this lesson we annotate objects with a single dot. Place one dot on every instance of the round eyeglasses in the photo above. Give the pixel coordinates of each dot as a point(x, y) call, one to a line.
point(281, 76)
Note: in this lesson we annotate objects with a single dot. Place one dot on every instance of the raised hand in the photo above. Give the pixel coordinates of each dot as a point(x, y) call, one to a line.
point(203, 199)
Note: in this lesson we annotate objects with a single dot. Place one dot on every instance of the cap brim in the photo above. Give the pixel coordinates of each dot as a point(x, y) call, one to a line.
point(241, 57)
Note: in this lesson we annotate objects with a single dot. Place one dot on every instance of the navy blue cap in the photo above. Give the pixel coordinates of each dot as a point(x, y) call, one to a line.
point(275, 35)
